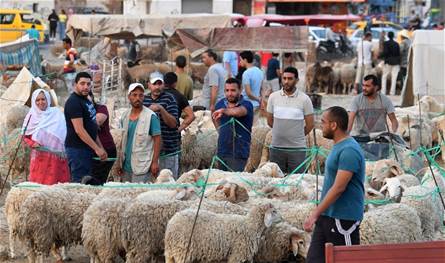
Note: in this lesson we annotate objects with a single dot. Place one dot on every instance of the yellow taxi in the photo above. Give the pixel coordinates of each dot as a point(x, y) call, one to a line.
point(375, 23)
point(14, 23)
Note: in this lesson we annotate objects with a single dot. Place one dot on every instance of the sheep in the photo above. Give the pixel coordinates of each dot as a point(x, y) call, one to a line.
point(324, 78)
point(417, 133)
point(310, 75)
point(256, 146)
point(439, 123)
point(266, 145)
point(226, 191)
point(279, 240)
point(101, 235)
point(15, 117)
point(393, 187)
point(385, 168)
point(431, 105)
point(392, 223)
point(8, 147)
point(165, 176)
point(117, 138)
point(198, 149)
point(13, 202)
point(103, 223)
point(52, 218)
point(421, 199)
point(347, 77)
point(238, 241)
point(143, 227)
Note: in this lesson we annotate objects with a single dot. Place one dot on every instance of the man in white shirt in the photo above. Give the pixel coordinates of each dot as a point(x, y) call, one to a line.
point(364, 59)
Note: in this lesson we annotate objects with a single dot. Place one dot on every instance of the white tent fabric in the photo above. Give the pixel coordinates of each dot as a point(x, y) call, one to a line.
point(428, 62)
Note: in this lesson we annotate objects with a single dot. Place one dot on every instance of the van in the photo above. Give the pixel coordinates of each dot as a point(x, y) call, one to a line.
point(14, 23)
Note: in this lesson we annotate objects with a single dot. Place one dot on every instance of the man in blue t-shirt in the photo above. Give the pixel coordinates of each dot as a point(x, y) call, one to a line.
point(252, 79)
point(234, 138)
point(337, 217)
point(81, 139)
point(33, 33)
point(273, 74)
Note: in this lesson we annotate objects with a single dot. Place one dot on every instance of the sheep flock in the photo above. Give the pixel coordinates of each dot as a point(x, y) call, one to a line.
point(256, 215)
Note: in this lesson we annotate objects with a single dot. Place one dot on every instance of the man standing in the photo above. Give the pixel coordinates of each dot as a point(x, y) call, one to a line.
point(291, 115)
point(364, 59)
point(369, 110)
point(53, 19)
point(230, 60)
point(141, 141)
point(213, 88)
point(70, 60)
point(184, 107)
point(391, 56)
point(166, 108)
point(185, 82)
point(252, 79)
point(234, 138)
point(81, 139)
point(404, 50)
point(273, 74)
point(337, 218)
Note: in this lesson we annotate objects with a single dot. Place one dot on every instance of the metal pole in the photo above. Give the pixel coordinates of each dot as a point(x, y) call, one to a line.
point(409, 133)
point(317, 164)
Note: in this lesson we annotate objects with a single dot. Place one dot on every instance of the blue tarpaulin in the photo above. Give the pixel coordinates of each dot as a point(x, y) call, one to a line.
point(381, 2)
point(24, 53)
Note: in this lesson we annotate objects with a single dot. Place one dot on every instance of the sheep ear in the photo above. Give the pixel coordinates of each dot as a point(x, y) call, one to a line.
point(384, 188)
point(295, 241)
point(268, 218)
point(395, 170)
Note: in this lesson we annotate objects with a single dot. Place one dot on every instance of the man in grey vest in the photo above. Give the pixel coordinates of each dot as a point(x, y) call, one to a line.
point(141, 140)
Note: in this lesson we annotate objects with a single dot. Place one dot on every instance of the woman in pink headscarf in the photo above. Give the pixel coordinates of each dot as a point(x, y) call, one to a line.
point(45, 133)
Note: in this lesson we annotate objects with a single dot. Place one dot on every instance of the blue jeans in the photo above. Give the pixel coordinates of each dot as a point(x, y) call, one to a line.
point(235, 164)
point(80, 161)
point(61, 27)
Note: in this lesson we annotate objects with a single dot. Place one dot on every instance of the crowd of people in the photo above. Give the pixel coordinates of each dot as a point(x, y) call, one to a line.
point(77, 146)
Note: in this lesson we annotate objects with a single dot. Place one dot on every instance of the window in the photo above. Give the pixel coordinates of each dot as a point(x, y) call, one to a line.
point(6, 19)
point(28, 18)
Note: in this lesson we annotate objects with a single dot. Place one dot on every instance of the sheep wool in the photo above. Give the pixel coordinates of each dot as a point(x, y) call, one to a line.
point(217, 237)
point(392, 223)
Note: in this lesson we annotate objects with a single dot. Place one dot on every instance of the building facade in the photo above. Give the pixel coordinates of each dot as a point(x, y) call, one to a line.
point(169, 7)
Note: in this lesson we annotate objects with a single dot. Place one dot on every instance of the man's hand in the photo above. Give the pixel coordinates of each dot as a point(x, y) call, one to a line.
point(310, 221)
point(216, 115)
point(102, 154)
point(154, 169)
point(212, 108)
point(156, 107)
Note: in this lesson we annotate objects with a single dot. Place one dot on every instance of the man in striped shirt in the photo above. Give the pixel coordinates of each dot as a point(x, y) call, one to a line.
point(165, 106)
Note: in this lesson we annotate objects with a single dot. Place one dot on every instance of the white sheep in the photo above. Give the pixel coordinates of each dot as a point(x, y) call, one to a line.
point(143, 227)
point(13, 203)
point(198, 149)
point(392, 223)
point(256, 146)
point(385, 168)
point(217, 237)
point(52, 216)
point(423, 199)
point(279, 240)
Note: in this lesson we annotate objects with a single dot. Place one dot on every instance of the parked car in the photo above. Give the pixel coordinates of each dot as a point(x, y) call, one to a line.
point(376, 31)
point(362, 24)
point(15, 22)
point(317, 34)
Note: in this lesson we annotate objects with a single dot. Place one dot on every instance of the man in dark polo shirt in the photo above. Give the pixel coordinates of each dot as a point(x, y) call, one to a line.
point(234, 139)
point(184, 108)
point(81, 138)
point(166, 108)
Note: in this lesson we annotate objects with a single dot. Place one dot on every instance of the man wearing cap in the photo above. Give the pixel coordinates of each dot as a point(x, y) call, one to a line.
point(166, 108)
point(141, 140)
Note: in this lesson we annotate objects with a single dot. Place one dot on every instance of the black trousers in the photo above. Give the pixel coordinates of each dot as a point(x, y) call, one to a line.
point(52, 29)
point(101, 169)
point(330, 230)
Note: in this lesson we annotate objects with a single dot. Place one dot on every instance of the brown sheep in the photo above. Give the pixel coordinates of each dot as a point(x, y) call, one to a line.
point(324, 78)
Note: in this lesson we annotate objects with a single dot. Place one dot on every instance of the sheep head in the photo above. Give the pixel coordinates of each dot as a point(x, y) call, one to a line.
point(273, 192)
point(392, 189)
point(165, 176)
point(269, 168)
point(298, 243)
point(185, 193)
point(233, 192)
point(384, 169)
point(271, 215)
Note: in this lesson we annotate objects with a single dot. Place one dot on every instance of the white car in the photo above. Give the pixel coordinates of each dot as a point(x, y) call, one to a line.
point(376, 31)
point(317, 34)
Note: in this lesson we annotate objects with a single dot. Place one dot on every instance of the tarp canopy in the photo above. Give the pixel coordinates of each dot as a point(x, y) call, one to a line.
point(20, 91)
point(298, 20)
point(22, 53)
point(272, 39)
point(426, 66)
point(127, 26)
